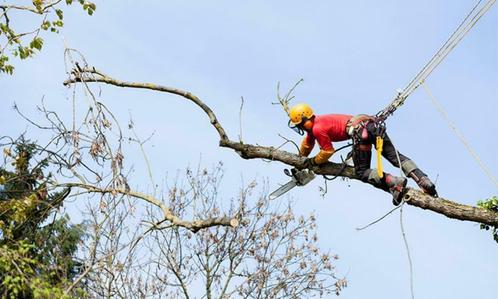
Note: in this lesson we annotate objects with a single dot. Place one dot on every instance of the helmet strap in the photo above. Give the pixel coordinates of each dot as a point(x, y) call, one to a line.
point(296, 128)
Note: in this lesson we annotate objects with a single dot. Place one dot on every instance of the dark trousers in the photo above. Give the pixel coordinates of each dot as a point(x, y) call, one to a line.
point(365, 137)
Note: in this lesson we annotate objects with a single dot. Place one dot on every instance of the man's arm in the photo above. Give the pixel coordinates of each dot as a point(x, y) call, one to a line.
point(326, 148)
point(307, 145)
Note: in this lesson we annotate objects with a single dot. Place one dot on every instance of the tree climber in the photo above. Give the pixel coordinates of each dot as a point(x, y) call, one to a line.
point(363, 130)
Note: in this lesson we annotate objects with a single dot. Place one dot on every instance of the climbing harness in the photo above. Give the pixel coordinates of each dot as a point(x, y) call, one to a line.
point(357, 129)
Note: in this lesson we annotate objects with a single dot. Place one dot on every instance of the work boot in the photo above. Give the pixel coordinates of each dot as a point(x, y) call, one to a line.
point(424, 182)
point(396, 187)
point(412, 170)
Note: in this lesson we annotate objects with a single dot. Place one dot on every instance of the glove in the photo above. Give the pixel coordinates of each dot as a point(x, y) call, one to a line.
point(310, 163)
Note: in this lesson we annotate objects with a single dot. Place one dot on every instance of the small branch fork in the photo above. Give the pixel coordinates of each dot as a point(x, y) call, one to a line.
point(248, 151)
point(285, 100)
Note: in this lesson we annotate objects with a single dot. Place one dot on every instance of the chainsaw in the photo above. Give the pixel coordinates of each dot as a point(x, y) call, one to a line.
point(298, 178)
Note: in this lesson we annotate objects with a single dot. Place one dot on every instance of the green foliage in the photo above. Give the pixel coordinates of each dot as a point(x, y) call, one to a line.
point(36, 43)
point(4, 66)
point(59, 13)
point(25, 44)
point(61, 238)
point(490, 204)
point(37, 256)
point(21, 275)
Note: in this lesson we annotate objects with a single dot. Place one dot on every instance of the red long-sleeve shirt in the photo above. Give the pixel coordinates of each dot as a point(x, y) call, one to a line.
point(326, 129)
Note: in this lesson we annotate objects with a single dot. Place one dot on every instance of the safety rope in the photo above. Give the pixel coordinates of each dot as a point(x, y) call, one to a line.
point(409, 256)
point(460, 135)
point(465, 26)
point(343, 166)
point(405, 239)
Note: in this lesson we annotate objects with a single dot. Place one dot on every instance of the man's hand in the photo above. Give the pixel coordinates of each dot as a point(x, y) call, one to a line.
point(310, 163)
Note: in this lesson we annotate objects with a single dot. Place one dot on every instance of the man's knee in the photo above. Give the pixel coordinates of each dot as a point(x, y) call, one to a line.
point(362, 174)
point(368, 176)
point(372, 177)
point(408, 166)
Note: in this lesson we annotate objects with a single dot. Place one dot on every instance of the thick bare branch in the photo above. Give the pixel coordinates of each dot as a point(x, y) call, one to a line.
point(247, 151)
point(92, 75)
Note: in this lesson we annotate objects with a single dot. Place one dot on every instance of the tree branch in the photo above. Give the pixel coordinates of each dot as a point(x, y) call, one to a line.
point(248, 151)
point(18, 7)
point(194, 226)
point(32, 9)
point(92, 75)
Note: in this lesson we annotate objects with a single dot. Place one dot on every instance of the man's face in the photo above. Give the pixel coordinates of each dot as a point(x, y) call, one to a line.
point(307, 125)
point(304, 126)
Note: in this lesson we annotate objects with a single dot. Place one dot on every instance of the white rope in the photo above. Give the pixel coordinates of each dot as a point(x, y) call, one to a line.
point(465, 26)
point(460, 136)
point(410, 263)
point(405, 239)
point(378, 219)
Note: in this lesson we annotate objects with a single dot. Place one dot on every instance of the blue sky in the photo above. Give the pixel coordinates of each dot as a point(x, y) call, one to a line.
point(353, 55)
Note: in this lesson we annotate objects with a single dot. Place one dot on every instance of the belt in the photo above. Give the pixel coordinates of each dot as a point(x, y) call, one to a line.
point(357, 121)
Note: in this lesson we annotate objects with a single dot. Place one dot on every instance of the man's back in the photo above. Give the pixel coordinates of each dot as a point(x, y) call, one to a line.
point(331, 125)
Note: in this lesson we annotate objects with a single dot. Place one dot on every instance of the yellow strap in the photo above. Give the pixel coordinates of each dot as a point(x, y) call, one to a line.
point(378, 145)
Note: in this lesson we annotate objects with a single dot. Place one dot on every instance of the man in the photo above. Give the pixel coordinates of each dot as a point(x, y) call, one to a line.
point(363, 130)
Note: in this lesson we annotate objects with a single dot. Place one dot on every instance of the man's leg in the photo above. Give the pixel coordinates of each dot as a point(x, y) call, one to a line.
point(362, 154)
point(408, 166)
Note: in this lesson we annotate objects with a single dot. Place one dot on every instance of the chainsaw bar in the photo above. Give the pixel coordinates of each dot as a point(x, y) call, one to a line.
point(299, 178)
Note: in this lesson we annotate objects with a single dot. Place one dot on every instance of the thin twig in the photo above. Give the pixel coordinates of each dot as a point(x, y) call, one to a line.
point(240, 118)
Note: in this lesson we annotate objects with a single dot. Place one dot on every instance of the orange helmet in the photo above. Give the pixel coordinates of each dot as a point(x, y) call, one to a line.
point(300, 113)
